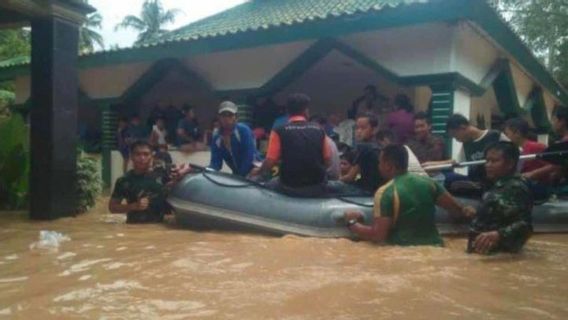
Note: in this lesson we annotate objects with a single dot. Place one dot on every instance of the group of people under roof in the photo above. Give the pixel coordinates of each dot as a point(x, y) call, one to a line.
point(386, 163)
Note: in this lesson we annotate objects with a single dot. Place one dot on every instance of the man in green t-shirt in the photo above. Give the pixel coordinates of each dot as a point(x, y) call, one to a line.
point(143, 188)
point(404, 208)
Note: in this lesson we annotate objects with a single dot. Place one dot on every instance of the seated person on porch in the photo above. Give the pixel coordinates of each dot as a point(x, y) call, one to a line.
point(232, 143)
point(367, 155)
point(302, 151)
point(159, 133)
point(386, 138)
point(425, 145)
point(144, 189)
point(401, 121)
point(503, 220)
point(137, 130)
point(404, 208)
point(474, 141)
point(188, 132)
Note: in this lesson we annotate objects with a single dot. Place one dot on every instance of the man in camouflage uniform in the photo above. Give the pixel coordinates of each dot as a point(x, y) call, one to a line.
point(503, 220)
point(144, 189)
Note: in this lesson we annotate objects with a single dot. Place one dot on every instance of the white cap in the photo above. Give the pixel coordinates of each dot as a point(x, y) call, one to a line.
point(228, 106)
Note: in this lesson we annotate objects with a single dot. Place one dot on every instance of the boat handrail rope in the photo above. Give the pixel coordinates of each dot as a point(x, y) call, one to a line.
point(481, 162)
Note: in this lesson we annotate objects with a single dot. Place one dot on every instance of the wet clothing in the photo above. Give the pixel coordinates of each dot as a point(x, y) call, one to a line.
point(475, 150)
point(431, 149)
point(239, 155)
point(410, 201)
point(506, 207)
point(133, 187)
point(367, 158)
point(162, 164)
point(303, 150)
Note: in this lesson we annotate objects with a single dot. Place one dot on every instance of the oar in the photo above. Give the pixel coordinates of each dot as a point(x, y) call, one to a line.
point(554, 157)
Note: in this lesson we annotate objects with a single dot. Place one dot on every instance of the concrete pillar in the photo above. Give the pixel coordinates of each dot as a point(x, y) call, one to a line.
point(446, 101)
point(54, 99)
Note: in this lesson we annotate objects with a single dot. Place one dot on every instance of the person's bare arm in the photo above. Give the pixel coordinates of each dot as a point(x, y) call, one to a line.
point(542, 172)
point(266, 166)
point(452, 206)
point(378, 231)
point(351, 175)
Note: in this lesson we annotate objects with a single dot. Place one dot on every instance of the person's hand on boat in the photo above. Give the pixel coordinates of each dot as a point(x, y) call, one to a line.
point(179, 172)
point(254, 172)
point(486, 241)
point(353, 215)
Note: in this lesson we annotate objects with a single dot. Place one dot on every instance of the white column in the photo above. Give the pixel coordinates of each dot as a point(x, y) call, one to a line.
point(462, 105)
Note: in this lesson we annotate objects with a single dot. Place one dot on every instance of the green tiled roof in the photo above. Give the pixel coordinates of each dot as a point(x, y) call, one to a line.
point(264, 14)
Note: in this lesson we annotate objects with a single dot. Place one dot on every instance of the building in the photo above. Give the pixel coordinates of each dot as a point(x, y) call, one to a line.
point(454, 56)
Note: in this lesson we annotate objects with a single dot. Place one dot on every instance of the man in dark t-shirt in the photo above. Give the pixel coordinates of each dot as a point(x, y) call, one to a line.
point(143, 189)
point(474, 141)
point(367, 155)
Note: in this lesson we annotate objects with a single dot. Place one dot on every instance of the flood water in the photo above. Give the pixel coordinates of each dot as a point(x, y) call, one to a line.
point(110, 270)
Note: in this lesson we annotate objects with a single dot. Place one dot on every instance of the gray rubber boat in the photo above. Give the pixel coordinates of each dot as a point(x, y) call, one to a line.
point(212, 200)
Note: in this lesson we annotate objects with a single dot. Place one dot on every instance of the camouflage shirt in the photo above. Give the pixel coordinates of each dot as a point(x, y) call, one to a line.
point(132, 187)
point(506, 207)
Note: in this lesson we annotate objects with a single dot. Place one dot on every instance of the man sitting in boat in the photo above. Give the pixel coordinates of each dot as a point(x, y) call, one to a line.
point(503, 220)
point(233, 143)
point(367, 155)
point(143, 188)
point(474, 142)
point(404, 207)
point(301, 148)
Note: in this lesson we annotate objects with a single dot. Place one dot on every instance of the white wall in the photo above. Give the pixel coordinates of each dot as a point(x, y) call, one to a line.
point(246, 68)
point(111, 81)
point(413, 50)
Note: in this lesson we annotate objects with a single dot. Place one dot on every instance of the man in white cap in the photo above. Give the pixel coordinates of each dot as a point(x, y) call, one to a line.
point(233, 143)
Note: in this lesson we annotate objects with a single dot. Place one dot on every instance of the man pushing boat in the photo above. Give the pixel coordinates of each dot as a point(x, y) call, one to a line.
point(404, 208)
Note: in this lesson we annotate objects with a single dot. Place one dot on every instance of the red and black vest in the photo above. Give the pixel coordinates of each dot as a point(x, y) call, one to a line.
point(302, 162)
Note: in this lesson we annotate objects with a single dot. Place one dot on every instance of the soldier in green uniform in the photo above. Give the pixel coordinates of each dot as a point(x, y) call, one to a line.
point(404, 208)
point(503, 220)
point(144, 189)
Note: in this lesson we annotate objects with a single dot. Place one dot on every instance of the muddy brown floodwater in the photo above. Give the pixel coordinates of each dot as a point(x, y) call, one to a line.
point(110, 270)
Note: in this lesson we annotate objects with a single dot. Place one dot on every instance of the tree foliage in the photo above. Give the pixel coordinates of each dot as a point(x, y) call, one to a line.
point(150, 24)
point(543, 24)
point(88, 37)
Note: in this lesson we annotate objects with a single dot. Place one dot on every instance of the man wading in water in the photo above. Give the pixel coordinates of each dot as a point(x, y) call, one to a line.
point(404, 207)
point(503, 221)
point(143, 189)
